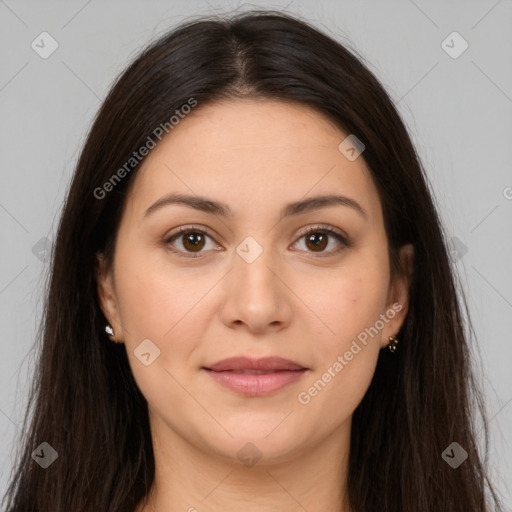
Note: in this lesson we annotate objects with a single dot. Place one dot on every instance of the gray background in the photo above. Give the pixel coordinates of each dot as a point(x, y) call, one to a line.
point(458, 111)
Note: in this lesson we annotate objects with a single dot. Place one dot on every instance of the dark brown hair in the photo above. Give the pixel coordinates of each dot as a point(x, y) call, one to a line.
point(84, 401)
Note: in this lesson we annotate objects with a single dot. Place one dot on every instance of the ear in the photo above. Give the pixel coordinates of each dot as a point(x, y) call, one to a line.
point(107, 297)
point(398, 296)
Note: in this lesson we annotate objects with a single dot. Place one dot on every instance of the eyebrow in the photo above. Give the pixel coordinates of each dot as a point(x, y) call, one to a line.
point(296, 208)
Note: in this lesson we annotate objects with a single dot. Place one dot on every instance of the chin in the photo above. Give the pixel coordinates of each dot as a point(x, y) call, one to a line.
point(255, 446)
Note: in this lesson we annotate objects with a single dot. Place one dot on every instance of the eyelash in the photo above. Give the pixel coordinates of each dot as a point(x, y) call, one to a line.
point(320, 228)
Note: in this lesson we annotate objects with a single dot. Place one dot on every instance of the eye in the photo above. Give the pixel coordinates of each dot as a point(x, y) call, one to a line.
point(192, 240)
point(317, 239)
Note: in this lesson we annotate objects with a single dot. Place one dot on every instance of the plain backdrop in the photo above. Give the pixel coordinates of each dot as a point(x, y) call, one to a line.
point(457, 106)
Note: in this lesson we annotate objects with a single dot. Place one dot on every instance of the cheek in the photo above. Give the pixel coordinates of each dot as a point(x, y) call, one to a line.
point(158, 303)
point(349, 305)
point(348, 301)
point(155, 296)
point(155, 305)
point(148, 303)
point(346, 353)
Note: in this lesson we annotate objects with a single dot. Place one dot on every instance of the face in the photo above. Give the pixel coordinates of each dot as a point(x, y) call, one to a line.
point(254, 277)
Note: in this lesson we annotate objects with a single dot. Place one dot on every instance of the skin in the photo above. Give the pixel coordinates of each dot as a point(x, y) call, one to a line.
point(292, 301)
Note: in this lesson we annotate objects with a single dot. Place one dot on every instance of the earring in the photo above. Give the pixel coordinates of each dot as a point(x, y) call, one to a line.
point(393, 342)
point(110, 331)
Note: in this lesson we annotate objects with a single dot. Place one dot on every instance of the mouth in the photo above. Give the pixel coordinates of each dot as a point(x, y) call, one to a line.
point(253, 372)
point(243, 363)
point(252, 378)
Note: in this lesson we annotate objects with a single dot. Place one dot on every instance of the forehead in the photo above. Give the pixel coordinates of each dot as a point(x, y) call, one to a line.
point(253, 153)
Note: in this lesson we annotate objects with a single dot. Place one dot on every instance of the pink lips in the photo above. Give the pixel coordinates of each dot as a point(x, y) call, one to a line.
point(255, 377)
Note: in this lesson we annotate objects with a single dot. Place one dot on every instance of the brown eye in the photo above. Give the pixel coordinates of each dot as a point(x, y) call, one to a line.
point(316, 241)
point(193, 241)
point(189, 242)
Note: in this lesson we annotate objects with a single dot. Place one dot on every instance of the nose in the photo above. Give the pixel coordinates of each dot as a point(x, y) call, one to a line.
point(257, 298)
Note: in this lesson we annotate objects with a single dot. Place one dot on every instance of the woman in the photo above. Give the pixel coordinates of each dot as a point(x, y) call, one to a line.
point(250, 226)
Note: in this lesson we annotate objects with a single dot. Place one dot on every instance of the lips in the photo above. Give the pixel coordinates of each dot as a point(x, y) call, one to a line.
point(255, 377)
point(249, 365)
point(251, 372)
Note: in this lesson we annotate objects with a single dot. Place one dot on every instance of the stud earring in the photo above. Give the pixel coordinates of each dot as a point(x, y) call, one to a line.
point(393, 342)
point(110, 331)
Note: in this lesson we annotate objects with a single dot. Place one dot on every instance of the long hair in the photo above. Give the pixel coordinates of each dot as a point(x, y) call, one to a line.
point(84, 401)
